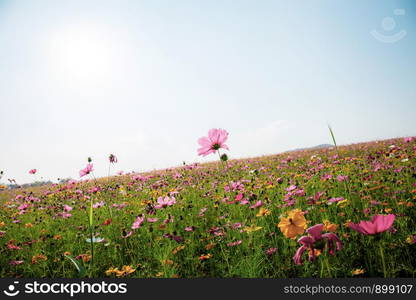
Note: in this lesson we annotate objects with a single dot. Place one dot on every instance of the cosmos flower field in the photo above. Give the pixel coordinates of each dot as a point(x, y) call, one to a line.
point(336, 212)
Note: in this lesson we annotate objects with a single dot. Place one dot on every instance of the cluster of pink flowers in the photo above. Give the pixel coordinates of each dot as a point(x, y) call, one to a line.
point(312, 243)
point(234, 186)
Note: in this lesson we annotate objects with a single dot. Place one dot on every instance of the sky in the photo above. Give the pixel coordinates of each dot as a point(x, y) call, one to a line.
point(145, 79)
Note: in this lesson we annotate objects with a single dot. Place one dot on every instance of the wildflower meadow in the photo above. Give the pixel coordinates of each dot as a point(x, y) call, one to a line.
point(341, 211)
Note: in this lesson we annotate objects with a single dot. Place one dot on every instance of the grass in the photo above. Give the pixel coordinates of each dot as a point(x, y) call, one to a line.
point(380, 179)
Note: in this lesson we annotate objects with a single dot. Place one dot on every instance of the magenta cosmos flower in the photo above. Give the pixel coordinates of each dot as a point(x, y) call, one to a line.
point(317, 240)
point(378, 224)
point(216, 139)
point(33, 171)
point(87, 170)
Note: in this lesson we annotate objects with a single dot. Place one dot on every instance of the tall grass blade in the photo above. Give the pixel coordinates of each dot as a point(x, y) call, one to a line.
point(80, 268)
point(333, 138)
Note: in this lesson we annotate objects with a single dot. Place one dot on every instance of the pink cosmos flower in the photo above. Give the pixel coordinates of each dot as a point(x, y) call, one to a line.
point(257, 204)
point(65, 215)
point(98, 204)
point(127, 235)
point(335, 200)
point(87, 170)
point(119, 206)
point(24, 206)
point(189, 228)
point(244, 201)
point(176, 238)
point(165, 202)
point(291, 188)
point(16, 262)
point(138, 222)
point(341, 178)
point(67, 208)
point(326, 177)
point(408, 139)
point(169, 219)
point(33, 171)
point(270, 251)
point(217, 231)
point(202, 211)
point(95, 189)
point(13, 247)
point(318, 196)
point(378, 224)
point(311, 242)
point(236, 225)
point(236, 243)
point(216, 139)
point(234, 186)
point(238, 198)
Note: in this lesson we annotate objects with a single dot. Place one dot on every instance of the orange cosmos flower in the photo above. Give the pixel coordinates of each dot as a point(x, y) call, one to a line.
point(358, 271)
point(206, 256)
point(263, 212)
point(328, 226)
point(294, 224)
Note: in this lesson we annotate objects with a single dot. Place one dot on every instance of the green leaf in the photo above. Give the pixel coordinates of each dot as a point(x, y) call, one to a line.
point(80, 268)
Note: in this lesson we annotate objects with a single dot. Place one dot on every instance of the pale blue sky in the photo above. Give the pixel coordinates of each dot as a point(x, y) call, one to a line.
point(145, 79)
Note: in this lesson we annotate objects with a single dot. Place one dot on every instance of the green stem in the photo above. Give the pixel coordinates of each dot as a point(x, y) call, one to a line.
point(383, 261)
point(322, 269)
point(224, 166)
point(91, 235)
point(325, 264)
point(327, 267)
point(219, 156)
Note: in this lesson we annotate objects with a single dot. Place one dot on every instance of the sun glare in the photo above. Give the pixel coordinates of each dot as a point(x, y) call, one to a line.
point(82, 54)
